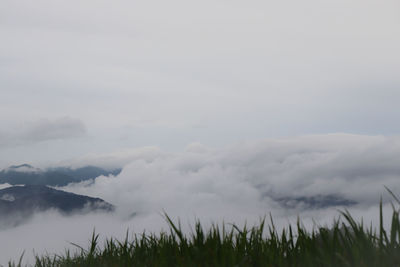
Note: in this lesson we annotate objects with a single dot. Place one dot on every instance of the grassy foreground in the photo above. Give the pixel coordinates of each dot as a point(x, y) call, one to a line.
point(346, 243)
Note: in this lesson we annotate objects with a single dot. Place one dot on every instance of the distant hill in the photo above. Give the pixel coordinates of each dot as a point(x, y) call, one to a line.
point(18, 203)
point(314, 202)
point(26, 174)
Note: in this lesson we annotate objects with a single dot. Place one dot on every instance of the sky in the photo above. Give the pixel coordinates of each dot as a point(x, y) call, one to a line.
point(100, 76)
point(213, 109)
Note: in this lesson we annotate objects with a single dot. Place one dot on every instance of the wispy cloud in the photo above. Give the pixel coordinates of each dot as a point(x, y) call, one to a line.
point(43, 130)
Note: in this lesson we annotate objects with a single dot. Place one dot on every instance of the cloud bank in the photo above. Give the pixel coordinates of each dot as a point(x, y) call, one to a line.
point(249, 176)
point(238, 183)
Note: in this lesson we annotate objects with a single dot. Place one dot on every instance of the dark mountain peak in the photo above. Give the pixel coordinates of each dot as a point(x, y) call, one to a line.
point(30, 190)
point(65, 201)
point(20, 166)
point(24, 201)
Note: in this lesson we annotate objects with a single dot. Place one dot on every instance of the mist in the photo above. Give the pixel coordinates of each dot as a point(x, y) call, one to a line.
point(222, 111)
point(239, 184)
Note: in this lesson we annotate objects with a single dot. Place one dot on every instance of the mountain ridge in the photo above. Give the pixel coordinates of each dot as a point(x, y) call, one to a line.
point(26, 174)
point(19, 203)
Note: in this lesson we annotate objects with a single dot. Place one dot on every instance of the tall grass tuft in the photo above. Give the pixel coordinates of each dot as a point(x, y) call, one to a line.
point(346, 243)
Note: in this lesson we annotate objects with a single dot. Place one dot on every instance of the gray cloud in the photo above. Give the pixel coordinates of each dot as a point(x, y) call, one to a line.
point(62, 128)
point(42, 130)
point(242, 70)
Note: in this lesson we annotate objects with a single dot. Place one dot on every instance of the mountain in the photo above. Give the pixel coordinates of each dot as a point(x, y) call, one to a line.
point(18, 203)
point(84, 173)
point(314, 202)
point(23, 168)
point(59, 176)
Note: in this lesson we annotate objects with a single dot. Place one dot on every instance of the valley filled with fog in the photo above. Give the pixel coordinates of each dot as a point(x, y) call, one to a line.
point(311, 177)
point(113, 113)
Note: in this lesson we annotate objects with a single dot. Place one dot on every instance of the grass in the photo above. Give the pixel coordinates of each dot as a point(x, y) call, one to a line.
point(346, 243)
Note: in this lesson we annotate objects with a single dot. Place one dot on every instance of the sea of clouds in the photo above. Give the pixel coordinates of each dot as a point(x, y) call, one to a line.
point(236, 184)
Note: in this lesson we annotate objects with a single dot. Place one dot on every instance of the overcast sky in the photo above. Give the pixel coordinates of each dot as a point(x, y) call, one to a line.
point(215, 108)
point(79, 77)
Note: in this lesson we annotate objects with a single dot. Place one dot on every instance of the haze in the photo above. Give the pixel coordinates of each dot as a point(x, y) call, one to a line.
point(97, 76)
point(215, 109)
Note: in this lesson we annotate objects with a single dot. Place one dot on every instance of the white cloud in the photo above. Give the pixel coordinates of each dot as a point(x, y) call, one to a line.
point(352, 166)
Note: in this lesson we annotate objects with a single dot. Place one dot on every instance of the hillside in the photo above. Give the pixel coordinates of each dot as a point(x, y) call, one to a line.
point(58, 176)
point(19, 203)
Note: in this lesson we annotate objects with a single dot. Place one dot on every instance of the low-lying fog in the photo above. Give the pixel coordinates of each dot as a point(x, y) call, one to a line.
point(236, 184)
